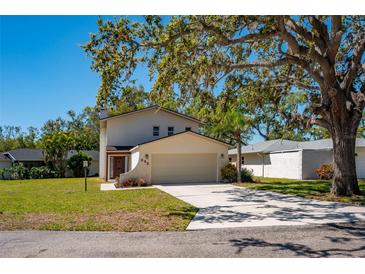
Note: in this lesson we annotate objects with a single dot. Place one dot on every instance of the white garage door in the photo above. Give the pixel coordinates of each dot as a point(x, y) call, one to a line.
point(184, 168)
point(360, 164)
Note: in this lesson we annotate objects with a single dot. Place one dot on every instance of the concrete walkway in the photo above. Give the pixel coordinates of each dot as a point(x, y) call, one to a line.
point(224, 205)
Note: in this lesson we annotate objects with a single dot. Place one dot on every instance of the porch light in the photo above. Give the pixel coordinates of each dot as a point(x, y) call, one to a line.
point(222, 155)
point(146, 156)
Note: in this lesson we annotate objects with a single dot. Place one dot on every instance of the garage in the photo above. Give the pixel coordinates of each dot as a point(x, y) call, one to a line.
point(184, 168)
point(186, 157)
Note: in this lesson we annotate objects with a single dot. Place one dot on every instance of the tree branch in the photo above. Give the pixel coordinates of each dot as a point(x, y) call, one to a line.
point(355, 64)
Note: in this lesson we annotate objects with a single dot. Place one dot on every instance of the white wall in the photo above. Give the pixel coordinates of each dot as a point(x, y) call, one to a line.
point(102, 150)
point(134, 159)
point(283, 165)
point(313, 159)
point(137, 128)
point(360, 162)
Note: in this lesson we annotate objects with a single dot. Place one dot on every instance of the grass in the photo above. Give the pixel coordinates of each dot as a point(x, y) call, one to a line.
point(62, 204)
point(315, 189)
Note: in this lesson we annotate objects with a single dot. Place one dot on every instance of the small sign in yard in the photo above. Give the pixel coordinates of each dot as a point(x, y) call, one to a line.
point(85, 164)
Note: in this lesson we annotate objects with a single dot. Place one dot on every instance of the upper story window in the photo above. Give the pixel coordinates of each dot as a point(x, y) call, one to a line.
point(188, 128)
point(156, 131)
point(170, 131)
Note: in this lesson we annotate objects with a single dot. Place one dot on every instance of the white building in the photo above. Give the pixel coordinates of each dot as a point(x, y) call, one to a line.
point(290, 159)
point(159, 145)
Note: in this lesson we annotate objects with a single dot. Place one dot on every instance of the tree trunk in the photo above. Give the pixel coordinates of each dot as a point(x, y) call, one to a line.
point(344, 166)
point(344, 122)
point(238, 161)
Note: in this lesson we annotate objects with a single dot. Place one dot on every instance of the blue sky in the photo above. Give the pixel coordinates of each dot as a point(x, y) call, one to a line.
point(43, 70)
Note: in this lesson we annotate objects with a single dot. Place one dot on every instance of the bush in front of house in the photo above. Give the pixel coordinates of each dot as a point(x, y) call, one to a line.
point(41, 172)
point(75, 163)
point(229, 173)
point(325, 172)
point(15, 172)
point(131, 182)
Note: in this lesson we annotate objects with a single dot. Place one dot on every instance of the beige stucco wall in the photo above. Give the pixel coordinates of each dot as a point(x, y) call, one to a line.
point(137, 128)
point(186, 143)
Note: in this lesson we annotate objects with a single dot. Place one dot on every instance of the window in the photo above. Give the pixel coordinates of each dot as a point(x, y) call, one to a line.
point(170, 131)
point(230, 159)
point(242, 160)
point(156, 131)
point(188, 128)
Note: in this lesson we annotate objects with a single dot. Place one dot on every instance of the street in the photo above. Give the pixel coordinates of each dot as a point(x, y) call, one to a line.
point(331, 240)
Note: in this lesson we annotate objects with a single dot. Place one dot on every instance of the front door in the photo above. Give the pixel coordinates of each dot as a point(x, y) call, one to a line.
point(118, 165)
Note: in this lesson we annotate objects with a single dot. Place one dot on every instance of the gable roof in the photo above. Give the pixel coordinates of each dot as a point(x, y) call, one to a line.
point(184, 132)
point(3, 158)
point(36, 154)
point(155, 107)
point(284, 145)
point(25, 154)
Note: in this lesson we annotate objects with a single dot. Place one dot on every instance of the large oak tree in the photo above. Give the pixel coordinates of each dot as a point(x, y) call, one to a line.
point(188, 54)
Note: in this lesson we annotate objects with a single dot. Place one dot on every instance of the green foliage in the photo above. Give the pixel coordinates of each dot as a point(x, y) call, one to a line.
point(229, 173)
point(55, 146)
point(325, 172)
point(41, 172)
point(15, 172)
point(12, 137)
point(75, 163)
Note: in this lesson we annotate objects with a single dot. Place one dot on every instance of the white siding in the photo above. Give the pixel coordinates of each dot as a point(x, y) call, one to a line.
point(134, 159)
point(137, 128)
point(102, 150)
point(283, 165)
point(360, 163)
point(313, 159)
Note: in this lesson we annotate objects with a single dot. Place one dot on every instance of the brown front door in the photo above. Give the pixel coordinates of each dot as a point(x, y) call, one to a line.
point(119, 165)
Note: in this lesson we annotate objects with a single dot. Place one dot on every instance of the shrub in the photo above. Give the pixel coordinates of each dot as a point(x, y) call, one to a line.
point(229, 173)
point(75, 163)
point(131, 182)
point(41, 172)
point(325, 172)
point(16, 172)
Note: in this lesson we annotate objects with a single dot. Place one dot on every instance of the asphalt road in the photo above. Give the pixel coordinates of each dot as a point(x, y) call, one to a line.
point(333, 240)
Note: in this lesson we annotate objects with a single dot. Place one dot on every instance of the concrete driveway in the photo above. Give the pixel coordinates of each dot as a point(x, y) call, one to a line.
point(224, 205)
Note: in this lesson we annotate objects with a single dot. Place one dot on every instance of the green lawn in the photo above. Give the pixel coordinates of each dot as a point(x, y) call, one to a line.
point(62, 204)
point(309, 189)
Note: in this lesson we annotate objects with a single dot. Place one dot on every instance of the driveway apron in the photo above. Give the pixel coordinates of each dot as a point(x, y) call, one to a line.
point(224, 205)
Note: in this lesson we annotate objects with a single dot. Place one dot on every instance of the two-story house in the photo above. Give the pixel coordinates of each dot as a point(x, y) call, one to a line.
point(159, 145)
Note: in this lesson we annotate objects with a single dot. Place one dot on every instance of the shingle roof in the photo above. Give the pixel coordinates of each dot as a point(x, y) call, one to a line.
point(118, 148)
point(150, 108)
point(92, 153)
point(36, 154)
point(282, 145)
point(3, 158)
point(26, 154)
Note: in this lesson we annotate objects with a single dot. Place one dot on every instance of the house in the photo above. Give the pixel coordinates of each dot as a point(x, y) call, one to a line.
point(161, 146)
point(33, 157)
point(29, 157)
point(291, 159)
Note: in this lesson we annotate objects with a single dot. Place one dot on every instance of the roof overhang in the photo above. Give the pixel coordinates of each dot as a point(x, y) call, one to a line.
point(157, 108)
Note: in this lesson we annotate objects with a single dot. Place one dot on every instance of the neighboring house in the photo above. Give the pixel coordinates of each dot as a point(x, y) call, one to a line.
point(159, 145)
point(33, 157)
point(5, 162)
point(94, 166)
point(29, 157)
point(290, 159)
